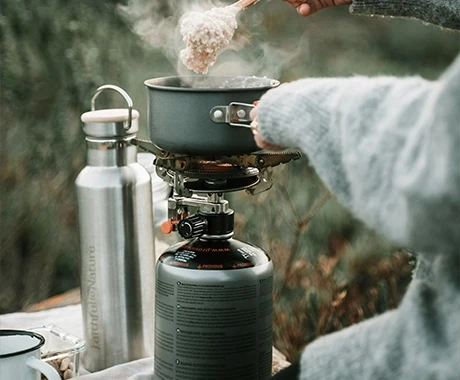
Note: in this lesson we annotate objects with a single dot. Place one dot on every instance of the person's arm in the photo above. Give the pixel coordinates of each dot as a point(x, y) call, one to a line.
point(389, 149)
point(368, 350)
point(445, 13)
point(419, 340)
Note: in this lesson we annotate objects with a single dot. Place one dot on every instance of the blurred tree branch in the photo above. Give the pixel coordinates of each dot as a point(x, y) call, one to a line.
point(301, 224)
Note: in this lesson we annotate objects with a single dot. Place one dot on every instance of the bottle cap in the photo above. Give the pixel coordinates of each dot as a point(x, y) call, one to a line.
point(111, 123)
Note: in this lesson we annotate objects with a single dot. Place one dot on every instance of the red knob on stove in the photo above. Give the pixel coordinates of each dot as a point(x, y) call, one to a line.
point(192, 226)
point(167, 227)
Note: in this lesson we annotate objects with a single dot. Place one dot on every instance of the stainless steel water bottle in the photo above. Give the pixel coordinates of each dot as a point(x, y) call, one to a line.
point(116, 240)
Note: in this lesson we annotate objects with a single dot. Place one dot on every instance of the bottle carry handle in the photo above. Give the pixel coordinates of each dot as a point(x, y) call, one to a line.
point(122, 93)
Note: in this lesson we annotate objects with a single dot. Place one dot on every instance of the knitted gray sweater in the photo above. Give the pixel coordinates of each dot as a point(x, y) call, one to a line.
point(389, 148)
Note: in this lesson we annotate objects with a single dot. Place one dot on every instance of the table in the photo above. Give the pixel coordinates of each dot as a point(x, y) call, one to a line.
point(69, 319)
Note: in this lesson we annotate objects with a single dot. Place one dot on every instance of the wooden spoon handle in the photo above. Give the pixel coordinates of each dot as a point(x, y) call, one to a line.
point(243, 4)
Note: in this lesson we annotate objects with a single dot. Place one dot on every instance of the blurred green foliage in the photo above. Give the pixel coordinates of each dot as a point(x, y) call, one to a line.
point(55, 53)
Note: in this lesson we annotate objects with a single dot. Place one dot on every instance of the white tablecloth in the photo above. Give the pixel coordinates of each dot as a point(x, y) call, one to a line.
point(68, 318)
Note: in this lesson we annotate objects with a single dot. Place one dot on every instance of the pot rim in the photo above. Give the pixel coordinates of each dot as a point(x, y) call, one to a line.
point(151, 83)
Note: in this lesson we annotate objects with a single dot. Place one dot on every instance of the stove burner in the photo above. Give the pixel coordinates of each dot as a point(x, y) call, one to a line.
point(218, 170)
point(216, 174)
point(211, 176)
point(220, 185)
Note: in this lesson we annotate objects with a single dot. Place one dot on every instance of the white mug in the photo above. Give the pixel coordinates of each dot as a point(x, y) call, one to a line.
point(20, 356)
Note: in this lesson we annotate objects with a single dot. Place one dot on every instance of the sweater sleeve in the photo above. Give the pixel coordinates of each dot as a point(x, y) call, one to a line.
point(419, 340)
point(445, 13)
point(389, 148)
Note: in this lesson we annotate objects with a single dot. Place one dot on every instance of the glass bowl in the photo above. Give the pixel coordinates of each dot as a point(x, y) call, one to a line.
point(61, 350)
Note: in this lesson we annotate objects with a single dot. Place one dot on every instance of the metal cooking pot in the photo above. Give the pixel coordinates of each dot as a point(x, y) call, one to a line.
point(204, 115)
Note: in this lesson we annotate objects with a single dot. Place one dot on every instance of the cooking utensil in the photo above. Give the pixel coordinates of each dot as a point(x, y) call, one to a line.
point(204, 115)
point(243, 4)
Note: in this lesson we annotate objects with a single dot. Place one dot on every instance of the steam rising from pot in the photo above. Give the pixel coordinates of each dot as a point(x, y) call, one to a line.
point(250, 52)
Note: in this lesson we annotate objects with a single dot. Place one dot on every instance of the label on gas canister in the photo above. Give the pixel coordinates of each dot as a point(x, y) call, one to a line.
point(213, 324)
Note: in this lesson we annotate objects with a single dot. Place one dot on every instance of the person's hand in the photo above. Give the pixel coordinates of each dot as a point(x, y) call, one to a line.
point(308, 7)
point(261, 143)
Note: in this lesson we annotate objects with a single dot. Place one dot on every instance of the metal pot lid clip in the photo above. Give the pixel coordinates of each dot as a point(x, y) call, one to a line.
point(234, 114)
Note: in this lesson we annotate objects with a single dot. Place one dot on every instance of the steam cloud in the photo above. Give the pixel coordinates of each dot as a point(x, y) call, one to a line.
point(157, 23)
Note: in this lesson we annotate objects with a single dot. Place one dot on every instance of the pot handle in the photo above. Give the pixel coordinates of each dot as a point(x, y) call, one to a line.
point(235, 114)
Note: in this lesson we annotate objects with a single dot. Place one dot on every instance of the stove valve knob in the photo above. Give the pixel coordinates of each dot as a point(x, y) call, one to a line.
point(192, 226)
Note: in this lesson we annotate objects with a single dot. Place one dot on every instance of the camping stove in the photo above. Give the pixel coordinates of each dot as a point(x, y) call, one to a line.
point(213, 301)
point(200, 182)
